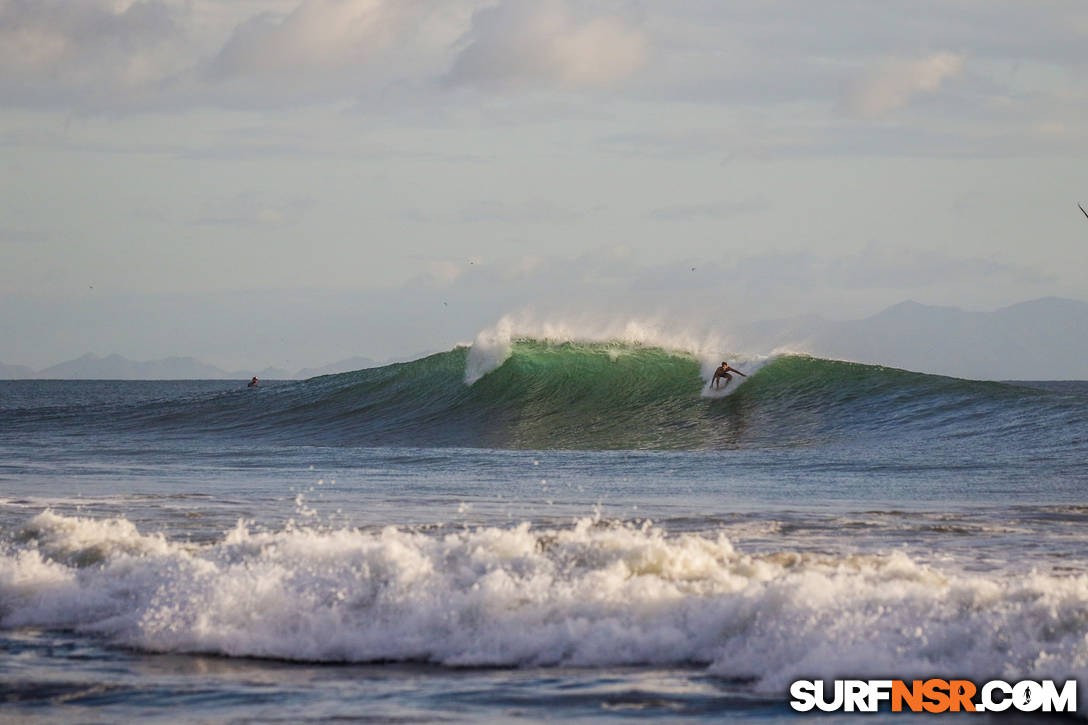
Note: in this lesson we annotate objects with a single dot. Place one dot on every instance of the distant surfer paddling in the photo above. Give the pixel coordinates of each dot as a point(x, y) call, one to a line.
point(253, 382)
point(723, 372)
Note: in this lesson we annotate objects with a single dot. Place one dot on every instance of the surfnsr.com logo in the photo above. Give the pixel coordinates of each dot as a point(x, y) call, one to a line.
point(933, 695)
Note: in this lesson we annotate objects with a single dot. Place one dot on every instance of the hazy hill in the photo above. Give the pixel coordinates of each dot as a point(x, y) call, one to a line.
point(343, 366)
point(1041, 339)
point(15, 372)
point(115, 367)
point(266, 374)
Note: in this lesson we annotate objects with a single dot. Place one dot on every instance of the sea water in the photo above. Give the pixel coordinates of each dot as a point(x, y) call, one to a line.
point(582, 533)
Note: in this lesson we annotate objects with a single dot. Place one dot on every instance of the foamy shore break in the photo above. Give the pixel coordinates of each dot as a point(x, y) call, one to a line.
point(593, 594)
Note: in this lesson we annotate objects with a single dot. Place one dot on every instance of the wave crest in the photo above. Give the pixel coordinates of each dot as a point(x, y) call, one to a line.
point(493, 345)
point(556, 393)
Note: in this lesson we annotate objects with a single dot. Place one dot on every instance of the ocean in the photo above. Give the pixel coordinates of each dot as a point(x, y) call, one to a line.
point(537, 531)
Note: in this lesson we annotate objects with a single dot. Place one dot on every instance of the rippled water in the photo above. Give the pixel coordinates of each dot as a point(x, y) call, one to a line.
point(153, 570)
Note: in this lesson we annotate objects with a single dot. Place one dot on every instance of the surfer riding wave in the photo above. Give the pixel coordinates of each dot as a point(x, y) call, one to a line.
point(723, 372)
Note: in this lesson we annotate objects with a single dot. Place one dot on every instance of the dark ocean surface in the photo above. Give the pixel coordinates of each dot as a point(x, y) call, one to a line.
point(584, 532)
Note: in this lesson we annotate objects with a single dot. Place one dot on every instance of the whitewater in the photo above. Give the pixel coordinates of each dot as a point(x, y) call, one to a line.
point(541, 525)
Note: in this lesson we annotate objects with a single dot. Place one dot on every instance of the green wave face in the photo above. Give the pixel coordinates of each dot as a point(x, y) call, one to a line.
point(596, 396)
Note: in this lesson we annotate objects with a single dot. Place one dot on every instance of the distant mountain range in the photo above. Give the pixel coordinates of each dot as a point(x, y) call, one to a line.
point(15, 372)
point(343, 366)
point(115, 367)
point(1045, 339)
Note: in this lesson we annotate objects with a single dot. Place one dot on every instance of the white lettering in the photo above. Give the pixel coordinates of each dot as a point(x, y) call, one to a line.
point(804, 695)
point(821, 700)
point(856, 695)
point(879, 690)
point(1065, 701)
point(988, 699)
point(994, 696)
point(1027, 696)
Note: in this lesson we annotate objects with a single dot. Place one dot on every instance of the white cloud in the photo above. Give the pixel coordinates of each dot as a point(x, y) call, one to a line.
point(91, 47)
point(251, 209)
point(169, 54)
point(895, 83)
point(321, 35)
point(724, 209)
point(390, 55)
point(377, 52)
point(531, 43)
point(489, 211)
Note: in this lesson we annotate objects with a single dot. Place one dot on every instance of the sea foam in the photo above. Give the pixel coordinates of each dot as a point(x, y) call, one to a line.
point(494, 344)
point(592, 594)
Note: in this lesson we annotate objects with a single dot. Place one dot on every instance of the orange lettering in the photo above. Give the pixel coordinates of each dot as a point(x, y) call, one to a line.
point(936, 691)
point(912, 695)
point(961, 692)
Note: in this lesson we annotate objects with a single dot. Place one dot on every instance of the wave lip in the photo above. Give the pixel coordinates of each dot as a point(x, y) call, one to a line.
point(594, 594)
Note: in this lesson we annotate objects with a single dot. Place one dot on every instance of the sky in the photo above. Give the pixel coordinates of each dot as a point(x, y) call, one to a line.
point(291, 182)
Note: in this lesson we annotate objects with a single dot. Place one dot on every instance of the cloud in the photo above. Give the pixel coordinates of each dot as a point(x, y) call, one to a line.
point(392, 54)
point(918, 269)
point(711, 210)
point(248, 209)
point(895, 83)
point(690, 78)
point(88, 48)
point(545, 43)
point(441, 272)
point(318, 35)
point(529, 211)
point(170, 54)
point(20, 236)
point(775, 281)
point(383, 54)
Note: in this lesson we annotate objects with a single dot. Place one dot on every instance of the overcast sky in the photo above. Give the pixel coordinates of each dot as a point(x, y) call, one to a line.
point(290, 182)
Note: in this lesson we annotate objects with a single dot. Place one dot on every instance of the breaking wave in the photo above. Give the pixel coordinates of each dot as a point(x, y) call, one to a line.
point(592, 594)
point(544, 394)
